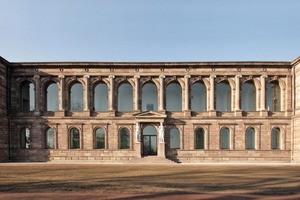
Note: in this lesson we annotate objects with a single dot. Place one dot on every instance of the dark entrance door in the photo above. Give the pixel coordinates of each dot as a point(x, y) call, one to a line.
point(149, 141)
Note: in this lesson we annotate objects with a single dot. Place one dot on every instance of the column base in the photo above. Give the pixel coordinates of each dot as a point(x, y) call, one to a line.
point(60, 113)
point(187, 113)
point(238, 113)
point(161, 150)
point(264, 113)
point(112, 113)
point(212, 113)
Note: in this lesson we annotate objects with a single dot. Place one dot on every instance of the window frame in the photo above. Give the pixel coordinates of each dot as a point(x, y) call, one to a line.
point(71, 138)
point(121, 145)
point(204, 138)
point(95, 138)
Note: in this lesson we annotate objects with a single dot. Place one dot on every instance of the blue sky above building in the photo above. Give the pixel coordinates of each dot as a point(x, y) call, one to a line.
point(149, 30)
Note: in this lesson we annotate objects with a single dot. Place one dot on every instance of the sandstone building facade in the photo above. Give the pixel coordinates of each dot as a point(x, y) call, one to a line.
point(189, 112)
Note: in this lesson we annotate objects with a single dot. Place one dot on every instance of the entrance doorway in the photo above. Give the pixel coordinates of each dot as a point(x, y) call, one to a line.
point(149, 141)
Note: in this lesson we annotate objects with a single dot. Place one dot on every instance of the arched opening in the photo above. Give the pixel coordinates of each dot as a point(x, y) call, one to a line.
point(174, 138)
point(25, 138)
point(50, 138)
point(76, 97)
point(198, 97)
point(99, 138)
point(275, 138)
point(173, 97)
point(52, 97)
point(149, 97)
point(27, 97)
point(248, 97)
point(250, 138)
point(273, 97)
point(101, 97)
point(223, 96)
point(74, 138)
point(199, 138)
point(224, 138)
point(149, 141)
point(124, 139)
point(125, 97)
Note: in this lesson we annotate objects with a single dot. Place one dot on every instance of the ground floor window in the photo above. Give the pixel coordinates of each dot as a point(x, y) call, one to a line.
point(50, 139)
point(25, 138)
point(224, 138)
point(74, 138)
point(199, 138)
point(250, 138)
point(174, 138)
point(124, 138)
point(275, 138)
point(100, 138)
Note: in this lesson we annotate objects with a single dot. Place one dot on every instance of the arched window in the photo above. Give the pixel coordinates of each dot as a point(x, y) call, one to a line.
point(223, 97)
point(100, 138)
point(149, 97)
point(50, 141)
point(101, 97)
point(124, 138)
point(74, 138)
point(76, 98)
point(199, 138)
point(174, 138)
point(198, 97)
point(52, 97)
point(125, 97)
point(25, 138)
point(224, 138)
point(275, 138)
point(27, 97)
point(273, 97)
point(250, 138)
point(248, 97)
point(173, 97)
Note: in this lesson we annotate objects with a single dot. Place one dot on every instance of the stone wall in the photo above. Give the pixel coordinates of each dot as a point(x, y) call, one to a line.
point(3, 113)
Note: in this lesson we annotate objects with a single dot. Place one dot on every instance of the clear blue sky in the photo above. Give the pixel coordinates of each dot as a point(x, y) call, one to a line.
point(149, 30)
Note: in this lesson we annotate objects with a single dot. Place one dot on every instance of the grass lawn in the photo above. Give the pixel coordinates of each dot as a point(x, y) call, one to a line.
point(261, 179)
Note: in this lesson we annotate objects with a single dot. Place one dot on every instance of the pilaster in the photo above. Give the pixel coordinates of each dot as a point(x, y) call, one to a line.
point(161, 93)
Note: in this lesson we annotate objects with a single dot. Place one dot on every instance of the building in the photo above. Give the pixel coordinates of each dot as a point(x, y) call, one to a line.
point(185, 111)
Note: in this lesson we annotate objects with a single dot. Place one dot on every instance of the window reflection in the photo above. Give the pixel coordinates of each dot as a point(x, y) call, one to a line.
point(225, 138)
point(74, 138)
point(76, 97)
point(198, 97)
point(27, 97)
point(199, 137)
point(25, 138)
point(124, 138)
point(275, 138)
point(173, 97)
point(149, 97)
point(50, 139)
point(52, 97)
point(100, 138)
point(223, 97)
point(174, 138)
point(248, 97)
point(273, 97)
point(101, 97)
point(125, 97)
point(250, 138)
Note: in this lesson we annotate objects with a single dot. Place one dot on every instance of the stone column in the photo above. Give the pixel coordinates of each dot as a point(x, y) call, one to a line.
point(86, 93)
point(136, 93)
point(37, 94)
point(61, 95)
point(263, 111)
point(212, 92)
point(263, 92)
point(238, 111)
point(111, 99)
point(161, 93)
point(187, 92)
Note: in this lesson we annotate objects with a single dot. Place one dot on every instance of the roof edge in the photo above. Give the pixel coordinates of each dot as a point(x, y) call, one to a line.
point(4, 61)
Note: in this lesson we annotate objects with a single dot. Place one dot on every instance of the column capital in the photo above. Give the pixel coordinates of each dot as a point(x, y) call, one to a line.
point(136, 76)
point(264, 76)
point(111, 76)
point(86, 76)
point(36, 76)
point(238, 76)
point(187, 76)
point(212, 76)
point(162, 76)
point(61, 76)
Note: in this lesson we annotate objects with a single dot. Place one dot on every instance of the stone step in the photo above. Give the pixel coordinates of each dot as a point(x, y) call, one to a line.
point(150, 160)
